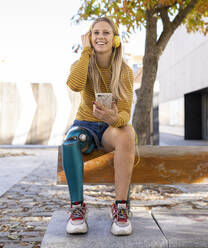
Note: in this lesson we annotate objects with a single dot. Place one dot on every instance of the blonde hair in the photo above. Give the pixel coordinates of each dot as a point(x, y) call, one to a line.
point(117, 84)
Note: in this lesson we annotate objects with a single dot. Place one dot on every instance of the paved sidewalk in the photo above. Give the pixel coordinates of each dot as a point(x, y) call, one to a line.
point(176, 140)
point(13, 169)
point(27, 206)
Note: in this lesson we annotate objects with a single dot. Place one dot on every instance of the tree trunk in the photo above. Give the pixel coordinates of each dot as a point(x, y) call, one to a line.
point(141, 117)
point(153, 51)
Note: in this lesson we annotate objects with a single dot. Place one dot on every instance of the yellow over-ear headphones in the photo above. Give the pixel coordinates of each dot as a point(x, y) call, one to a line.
point(116, 38)
point(116, 41)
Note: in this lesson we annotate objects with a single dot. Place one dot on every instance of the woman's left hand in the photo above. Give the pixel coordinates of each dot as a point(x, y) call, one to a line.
point(107, 115)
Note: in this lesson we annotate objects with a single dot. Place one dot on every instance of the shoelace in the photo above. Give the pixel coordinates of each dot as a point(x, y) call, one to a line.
point(78, 213)
point(121, 214)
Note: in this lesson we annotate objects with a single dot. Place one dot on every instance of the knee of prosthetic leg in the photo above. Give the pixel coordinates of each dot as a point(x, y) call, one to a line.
point(81, 138)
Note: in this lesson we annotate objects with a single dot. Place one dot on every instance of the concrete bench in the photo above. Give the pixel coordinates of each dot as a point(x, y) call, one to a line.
point(158, 164)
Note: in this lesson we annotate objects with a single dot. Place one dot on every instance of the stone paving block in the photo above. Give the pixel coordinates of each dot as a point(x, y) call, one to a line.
point(184, 228)
point(14, 169)
point(145, 232)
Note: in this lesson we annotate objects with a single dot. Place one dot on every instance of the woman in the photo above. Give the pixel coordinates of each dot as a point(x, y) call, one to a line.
point(101, 69)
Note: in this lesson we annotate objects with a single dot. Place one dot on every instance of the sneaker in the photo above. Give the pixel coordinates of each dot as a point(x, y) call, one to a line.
point(77, 221)
point(121, 225)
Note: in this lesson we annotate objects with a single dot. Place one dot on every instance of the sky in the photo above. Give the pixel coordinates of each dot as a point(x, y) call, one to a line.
point(36, 39)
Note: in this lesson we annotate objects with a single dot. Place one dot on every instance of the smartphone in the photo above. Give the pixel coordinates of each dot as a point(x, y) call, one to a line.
point(105, 99)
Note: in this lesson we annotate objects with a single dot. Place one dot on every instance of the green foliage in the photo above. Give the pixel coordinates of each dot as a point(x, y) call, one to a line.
point(197, 19)
point(132, 14)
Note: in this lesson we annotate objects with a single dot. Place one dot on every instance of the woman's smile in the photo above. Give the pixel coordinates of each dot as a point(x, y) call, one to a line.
point(101, 43)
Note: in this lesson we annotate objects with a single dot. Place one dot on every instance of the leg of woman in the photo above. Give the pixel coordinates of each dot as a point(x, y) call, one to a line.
point(122, 142)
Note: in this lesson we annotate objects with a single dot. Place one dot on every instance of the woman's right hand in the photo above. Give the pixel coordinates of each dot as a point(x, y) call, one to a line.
point(86, 40)
point(107, 115)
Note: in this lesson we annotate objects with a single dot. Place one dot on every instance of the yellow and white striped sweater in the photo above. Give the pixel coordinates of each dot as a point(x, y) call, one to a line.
point(79, 81)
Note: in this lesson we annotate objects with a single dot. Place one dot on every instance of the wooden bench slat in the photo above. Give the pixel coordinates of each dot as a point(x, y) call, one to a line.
point(162, 165)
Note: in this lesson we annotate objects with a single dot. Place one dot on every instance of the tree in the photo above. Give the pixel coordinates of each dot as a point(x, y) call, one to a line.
point(134, 14)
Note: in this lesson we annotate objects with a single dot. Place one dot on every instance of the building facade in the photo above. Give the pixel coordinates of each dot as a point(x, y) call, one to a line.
point(183, 79)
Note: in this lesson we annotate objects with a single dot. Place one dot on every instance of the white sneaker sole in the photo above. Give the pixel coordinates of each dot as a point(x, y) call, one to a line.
point(77, 229)
point(121, 231)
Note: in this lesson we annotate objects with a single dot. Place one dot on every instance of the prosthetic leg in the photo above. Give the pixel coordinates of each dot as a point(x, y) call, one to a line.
point(78, 140)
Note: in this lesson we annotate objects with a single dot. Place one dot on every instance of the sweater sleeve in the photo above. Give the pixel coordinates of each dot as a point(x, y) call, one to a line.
point(124, 104)
point(79, 70)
